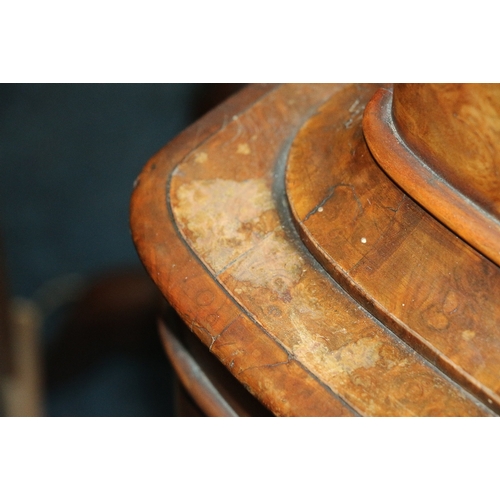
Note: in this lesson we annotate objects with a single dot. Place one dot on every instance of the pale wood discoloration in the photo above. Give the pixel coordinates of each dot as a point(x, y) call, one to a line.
point(257, 360)
point(317, 324)
point(412, 273)
point(222, 254)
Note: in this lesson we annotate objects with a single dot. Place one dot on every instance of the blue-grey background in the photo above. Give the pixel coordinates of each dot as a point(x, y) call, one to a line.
point(68, 157)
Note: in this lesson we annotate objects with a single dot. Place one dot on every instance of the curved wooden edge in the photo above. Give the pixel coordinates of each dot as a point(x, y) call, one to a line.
point(198, 385)
point(418, 180)
point(276, 282)
point(262, 365)
point(410, 336)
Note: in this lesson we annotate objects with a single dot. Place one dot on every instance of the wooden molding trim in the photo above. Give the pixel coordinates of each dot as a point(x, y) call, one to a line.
point(478, 228)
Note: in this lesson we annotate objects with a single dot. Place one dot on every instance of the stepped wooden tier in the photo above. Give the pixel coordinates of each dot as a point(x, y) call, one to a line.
point(336, 249)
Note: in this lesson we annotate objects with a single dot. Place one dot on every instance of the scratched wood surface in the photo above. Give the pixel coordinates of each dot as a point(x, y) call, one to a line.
point(210, 222)
point(441, 144)
point(256, 359)
point(416, 276)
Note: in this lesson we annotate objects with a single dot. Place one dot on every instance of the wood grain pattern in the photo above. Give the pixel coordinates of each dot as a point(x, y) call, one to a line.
point(425, 183)
point(455, 129)
point(254, 358)
point(225, 210)
point(198, 385)
point(210, 222)
point(417, 277)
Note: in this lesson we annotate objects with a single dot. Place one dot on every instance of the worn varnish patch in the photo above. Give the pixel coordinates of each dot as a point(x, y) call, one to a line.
point(227, 216)
point(388, 252)
point(363, 353)
point(200, 301)
point(277, 267)
point(326, 332)
point(317, 323)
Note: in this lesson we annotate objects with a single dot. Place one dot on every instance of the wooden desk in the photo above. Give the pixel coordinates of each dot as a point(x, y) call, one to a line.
point(321, 284)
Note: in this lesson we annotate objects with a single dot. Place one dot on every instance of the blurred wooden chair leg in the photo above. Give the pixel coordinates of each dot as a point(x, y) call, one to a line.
point(22, 386)
point(184, 404)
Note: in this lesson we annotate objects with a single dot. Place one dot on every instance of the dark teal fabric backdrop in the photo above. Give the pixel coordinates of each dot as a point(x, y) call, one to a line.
point(69, 155)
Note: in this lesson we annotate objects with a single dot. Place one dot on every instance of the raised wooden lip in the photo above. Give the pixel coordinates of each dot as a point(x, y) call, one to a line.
point(478, 228)
point(158, 241)
point(392, 322)
point(193, 378)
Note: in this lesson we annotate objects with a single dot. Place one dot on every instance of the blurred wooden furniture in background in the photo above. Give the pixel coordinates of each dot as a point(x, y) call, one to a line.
point(21, 385)
point(335, 247)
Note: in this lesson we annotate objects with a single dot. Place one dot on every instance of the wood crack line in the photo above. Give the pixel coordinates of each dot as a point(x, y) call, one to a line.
point(330, 194)
point(272, 365)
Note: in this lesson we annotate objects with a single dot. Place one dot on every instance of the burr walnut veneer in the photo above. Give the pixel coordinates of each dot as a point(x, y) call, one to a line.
point(336, 248)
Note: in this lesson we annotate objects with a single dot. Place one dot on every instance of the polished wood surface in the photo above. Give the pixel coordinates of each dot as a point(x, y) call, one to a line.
point(251, 354)
point(194, 379)
point(412, 273)
point(315, 280)
point(455, 129)
point(450, 172)
point(211, 388)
